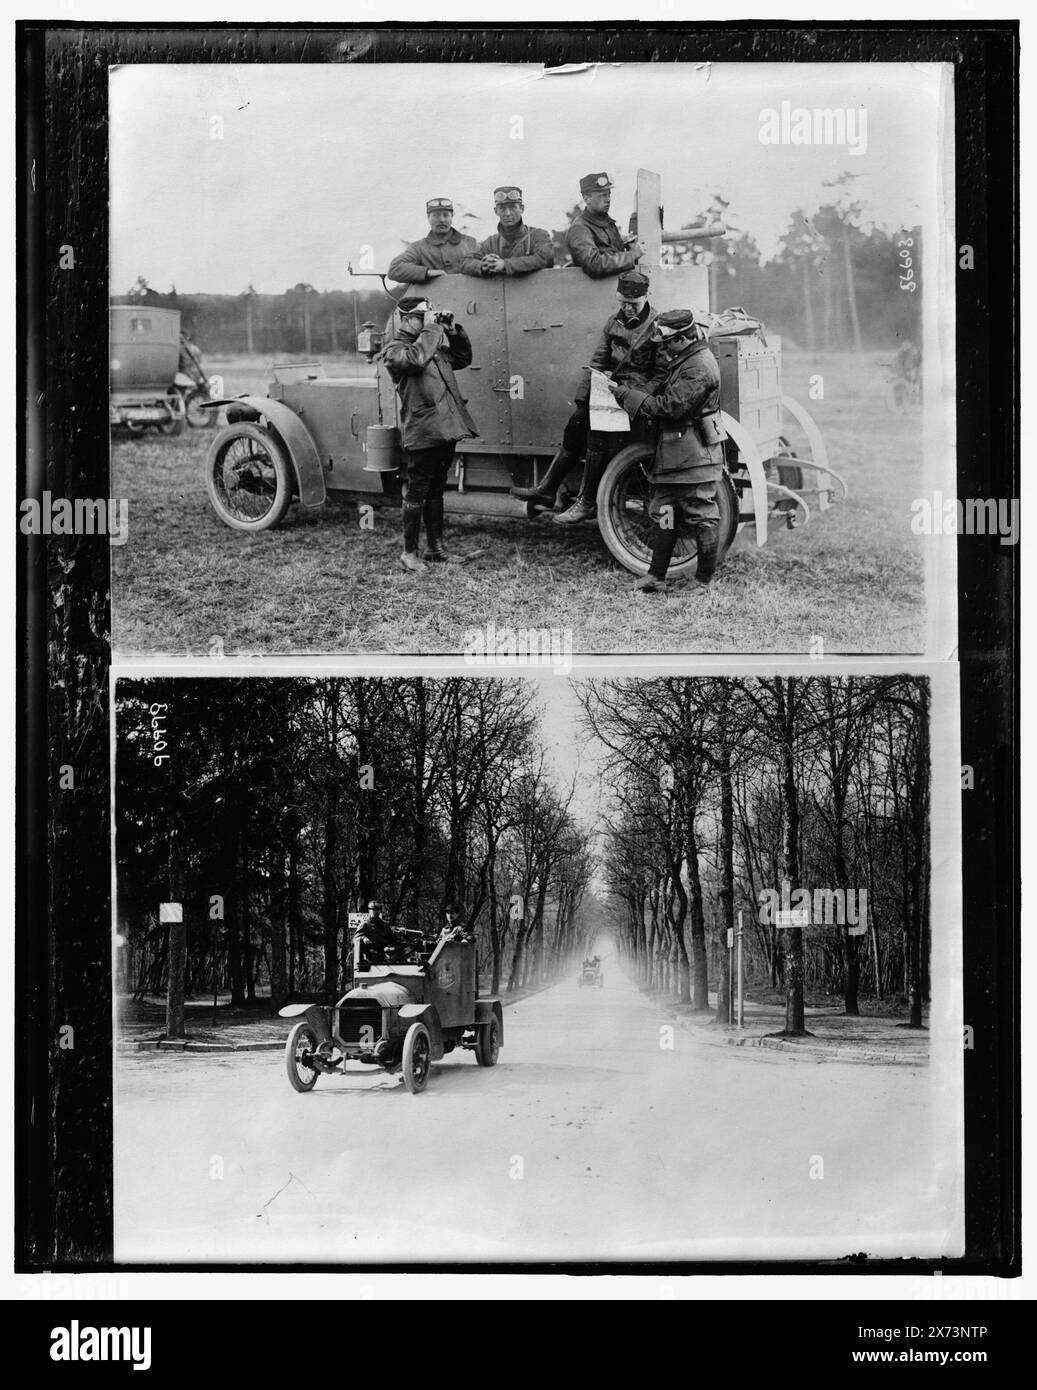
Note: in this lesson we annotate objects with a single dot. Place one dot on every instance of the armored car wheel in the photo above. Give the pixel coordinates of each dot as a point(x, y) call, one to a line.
point(302, 1042)
point(487, 1044)
point(248, 477)
point(417, 1058)
point(626, 526)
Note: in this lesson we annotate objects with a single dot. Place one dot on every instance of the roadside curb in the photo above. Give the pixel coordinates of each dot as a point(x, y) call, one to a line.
point(834, 1053)
point(809, 1051)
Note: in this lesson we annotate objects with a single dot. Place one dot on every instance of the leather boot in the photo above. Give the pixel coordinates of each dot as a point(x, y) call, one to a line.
point(585, 508)
point(410, 559)
point(663, 542)
point(707, 537)
point(436, 553)
point(552, 480)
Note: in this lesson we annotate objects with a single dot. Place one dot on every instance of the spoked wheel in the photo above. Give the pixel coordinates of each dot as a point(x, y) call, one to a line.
point(248, 478)
point(487, 1043)
point(177, 413)
point(417, 1058)
point(197, 418)
point(626, 527)
point(298, 1054)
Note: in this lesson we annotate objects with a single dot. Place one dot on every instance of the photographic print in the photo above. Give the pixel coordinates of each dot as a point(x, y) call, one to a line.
point(406, 357)
point(481, 970)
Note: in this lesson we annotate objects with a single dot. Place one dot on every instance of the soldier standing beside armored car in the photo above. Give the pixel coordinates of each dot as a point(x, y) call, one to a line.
point(442, 252)
point(683, 401)
point(421, 360)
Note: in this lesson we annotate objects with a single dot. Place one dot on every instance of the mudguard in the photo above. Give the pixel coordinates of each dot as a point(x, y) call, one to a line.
point(427, 1014)
point(316, 1015)
point(485, 1009)
point(293, 434)
point(750, 456)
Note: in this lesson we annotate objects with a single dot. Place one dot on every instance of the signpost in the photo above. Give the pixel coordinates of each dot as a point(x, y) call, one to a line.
point(730, 974)
point(741, 998)
point(173, 914)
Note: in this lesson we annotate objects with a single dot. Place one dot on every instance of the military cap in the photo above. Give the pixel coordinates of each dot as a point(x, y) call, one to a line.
point(674, 322)
point(594, 183)
point(434, 203)
point(507, 193)
point(412, 305)
point(375, 906)
point(632, 284)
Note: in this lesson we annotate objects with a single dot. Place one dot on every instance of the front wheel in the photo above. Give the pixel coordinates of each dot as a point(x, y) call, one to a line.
point(487, 1043)
point(626, 526)
point(248, 478)
point(299, 1055)
point(417, 1058)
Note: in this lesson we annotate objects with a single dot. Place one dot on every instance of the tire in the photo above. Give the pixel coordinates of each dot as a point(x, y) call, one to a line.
point(487, 1043)
point(175, 424)
point(248, 477)
point(301, 1039)
point(199, 419)
point(417, 1058)
point(626, 527)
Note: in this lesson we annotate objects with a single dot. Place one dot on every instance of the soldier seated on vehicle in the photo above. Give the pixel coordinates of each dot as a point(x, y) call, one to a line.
point(442, 252)
point(514, 248)
point(454, 928)
point(379, 943)
point(594, 240)
point(625, 352)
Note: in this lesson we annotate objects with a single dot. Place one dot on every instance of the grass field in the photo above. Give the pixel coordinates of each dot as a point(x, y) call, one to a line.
point(854, 576)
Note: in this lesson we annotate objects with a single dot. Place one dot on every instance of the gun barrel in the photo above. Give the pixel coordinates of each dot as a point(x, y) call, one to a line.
point(699, 230)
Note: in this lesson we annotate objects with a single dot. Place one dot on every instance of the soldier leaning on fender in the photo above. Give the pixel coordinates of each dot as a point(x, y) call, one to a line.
point(421, 359)
point(683, 401)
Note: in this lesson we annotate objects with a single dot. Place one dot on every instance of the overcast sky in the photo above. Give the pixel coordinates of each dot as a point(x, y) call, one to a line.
point(317, 162)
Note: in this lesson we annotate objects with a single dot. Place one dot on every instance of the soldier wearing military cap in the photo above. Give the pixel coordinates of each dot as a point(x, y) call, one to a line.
point(514, 248)
point(442, 252)
point(682, 401)
point(625, 352)
point(594, 240)
point(425, 351)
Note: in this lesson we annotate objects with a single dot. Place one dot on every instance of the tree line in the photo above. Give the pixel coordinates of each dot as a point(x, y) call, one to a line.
point(722, 790)
point(281, 806)
point(835, 283)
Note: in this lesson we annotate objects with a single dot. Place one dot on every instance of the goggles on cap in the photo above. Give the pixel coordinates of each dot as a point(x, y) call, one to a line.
point(507, 195)
point(435, 204)
point(660, 331)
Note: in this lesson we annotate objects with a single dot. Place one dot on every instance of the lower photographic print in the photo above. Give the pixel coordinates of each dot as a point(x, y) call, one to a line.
point(493, 970)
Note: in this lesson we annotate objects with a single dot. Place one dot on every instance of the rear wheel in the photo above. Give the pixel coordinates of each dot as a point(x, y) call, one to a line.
point(198, 418)
point(417, 1058)
point(177, 413)
point(626, 526)
point(487, 1043)
point(248, 477)
point(298, 1054)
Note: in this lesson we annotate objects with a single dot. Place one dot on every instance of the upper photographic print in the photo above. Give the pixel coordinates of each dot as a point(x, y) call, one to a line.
point(520, 363)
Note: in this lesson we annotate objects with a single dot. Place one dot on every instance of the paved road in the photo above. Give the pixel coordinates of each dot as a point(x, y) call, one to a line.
point(591, 1139)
